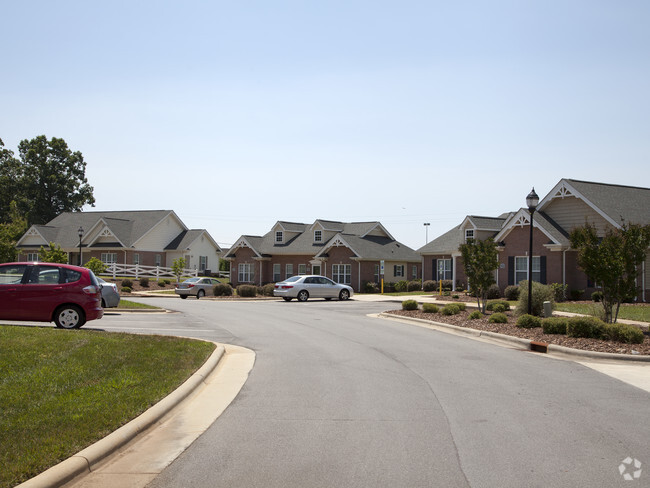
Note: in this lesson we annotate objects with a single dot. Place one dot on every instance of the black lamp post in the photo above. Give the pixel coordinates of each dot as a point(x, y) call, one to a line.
point(81, 233)
point(531, 200)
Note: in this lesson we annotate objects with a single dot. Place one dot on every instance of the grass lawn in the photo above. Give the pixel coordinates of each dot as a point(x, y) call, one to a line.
point(129, 304)
point(62, 390)
point(628, 311)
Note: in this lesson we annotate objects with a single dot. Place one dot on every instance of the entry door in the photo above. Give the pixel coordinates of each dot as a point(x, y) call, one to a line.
point(315, 269)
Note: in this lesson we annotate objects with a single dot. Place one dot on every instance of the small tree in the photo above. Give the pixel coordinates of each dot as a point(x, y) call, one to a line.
point(10, 232)
point(96, 266)
point(480, 260)
point(53, 255)
point(178, 266)
point(612, 261)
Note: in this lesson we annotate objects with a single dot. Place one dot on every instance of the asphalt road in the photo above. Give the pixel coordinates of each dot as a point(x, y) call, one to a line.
point(340, 399)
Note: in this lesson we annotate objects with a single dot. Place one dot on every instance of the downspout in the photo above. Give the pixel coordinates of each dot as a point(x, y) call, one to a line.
point(564, 270)
point(453, 274)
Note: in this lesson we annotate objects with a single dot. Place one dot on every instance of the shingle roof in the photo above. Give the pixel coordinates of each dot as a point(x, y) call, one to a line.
point(620, 203)
point(447, 243)
point(184, 239)
point(377, 247)
point(487, 223)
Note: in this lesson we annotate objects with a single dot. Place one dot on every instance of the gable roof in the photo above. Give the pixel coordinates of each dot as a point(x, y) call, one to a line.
point(616, 203)
point(447, 243)
point(541, 221)
point(186, 238)
point(373, 248)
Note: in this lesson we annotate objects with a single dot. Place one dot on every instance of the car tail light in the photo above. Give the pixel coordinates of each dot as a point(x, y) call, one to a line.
point(190, 285)
point(286, 287)
point(91, 290)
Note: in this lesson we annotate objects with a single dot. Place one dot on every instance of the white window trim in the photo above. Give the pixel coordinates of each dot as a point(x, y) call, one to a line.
point(342, 273)
point(537, 268)
point(277, 272)
point(318, 235)
point(245, 273)
point(279, 237)
point(109, 257)
point(469, 234)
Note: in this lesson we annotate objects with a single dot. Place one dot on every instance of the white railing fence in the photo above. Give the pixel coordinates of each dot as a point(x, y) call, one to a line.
point(137, 271)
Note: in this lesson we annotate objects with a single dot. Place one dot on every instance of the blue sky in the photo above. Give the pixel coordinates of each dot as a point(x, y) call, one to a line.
point(239, 114)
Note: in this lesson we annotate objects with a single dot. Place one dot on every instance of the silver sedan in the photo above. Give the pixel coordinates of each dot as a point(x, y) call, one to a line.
point(311, 286)
point(196, 287)
point(110, 295)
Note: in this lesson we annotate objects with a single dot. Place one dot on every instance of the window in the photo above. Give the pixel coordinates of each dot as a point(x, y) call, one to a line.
point(377, 273)
point(159, 260)
point(136, 258)
point(302, 269)
point(12, 274)
point(289, 271)
point(398, 270)
point(318, 236)
point(276, 272)
point(246, 273)
point(469, 234)
point(203, 263)
point(32, 256)
point(521, 269)
point(279, 236)
point(109, 257)
point(414, 273)
point(444, 269)
point(342, 273)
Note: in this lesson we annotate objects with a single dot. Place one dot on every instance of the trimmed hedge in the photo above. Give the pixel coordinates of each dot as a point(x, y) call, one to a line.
point(430, 308)
point(409, 305)
point(414, 285)
point(623, 333)
point(247, 291)
point(589, 327)
point(144, 282)
point(555, 325)
point(126, 289)
point(498, 318)
point(511, 293)
point(490, 305)
point(266, 290)
point(222, 290)
point(475, 315)
point(430, 285)
point(529, 322)
point(450, 309)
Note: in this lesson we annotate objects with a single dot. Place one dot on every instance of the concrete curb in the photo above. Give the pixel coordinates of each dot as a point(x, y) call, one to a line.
point(84, 461)
point(518, 341)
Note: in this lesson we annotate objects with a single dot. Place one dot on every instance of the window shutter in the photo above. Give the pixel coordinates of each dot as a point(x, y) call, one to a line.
point(511, 270)
point(434, 269)
point(542, 270)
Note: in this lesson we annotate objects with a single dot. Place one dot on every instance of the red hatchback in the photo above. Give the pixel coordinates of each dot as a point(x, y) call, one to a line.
point(64, 294)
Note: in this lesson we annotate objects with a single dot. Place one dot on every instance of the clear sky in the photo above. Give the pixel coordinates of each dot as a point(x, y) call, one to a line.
point(239, 114)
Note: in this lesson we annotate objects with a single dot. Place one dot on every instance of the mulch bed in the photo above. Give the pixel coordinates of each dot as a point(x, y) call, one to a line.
point(463, 320)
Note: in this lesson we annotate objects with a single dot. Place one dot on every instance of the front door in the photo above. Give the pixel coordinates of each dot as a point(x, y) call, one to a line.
point(315, 269)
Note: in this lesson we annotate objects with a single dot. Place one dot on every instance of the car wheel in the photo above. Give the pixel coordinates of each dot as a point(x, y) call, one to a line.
point(328, 298)
point(286, 299)
point(183, 297)
point(199, 294)
point(303, 296)
point(69, 317)
point(344, 295)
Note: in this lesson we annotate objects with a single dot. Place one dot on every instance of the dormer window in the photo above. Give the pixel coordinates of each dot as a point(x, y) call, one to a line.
point(469, 234)
point(318, 236)
point(279, 236)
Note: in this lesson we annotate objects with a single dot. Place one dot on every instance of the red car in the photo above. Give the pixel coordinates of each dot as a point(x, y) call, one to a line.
point(64, 294)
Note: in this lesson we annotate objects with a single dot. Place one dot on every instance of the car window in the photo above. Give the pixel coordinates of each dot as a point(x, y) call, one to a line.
point(310, 281)
point(325, 281)
point(45, 275)
point(12, 274)
point(72, 275)
point(292, 279)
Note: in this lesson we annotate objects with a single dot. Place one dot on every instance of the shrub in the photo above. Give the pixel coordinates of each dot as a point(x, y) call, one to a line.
point(247, 291)
point(96, 266)
point(144, 282)
point(447, 285)
point(389, 287)
point(623, 333)
point(589, 327)
point(126, 289)
point(161, 283)
point(127, 283)
point(555, 325)
point(401, 286)
point(414, 285)
point(450, 309)
point(576, 294)
point(493, 292)
point(498, 318)
point(461, 306)
point(490, 305)
point(409, 305)
point(370, 287)
point(475, 315)
point(430, 308)
point(167, 281)
point(597, 296)
point(541, 294)
point(529, 321)
point(430, 285)
point(511, 293)
point(267, 290)
point(559, 291)
point(498, 308)
point(222, 290)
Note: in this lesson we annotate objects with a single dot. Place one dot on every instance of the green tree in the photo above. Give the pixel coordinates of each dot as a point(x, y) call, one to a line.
point(46, 180)
point(480, 259)
point(612, 261)
point(178, 266)
point(96, 266)
point(10, 232)
point(53, 255)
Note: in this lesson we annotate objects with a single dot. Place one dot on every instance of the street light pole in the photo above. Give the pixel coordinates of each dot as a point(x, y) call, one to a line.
point(426, 228)
point(531, 200)
point(81, 233)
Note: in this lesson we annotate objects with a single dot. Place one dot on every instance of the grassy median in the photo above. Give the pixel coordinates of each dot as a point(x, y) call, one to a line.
point(62, 390)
